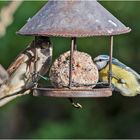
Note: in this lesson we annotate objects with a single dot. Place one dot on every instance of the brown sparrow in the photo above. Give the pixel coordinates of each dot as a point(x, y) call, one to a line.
point(24, 72)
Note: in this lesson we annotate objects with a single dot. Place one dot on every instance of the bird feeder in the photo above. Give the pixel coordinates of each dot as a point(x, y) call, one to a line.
point(74, 19)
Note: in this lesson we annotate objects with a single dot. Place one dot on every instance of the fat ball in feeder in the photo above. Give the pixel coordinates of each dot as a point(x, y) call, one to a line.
point(84, 71)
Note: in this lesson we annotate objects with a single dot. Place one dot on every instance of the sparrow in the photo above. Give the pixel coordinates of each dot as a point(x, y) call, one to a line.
point(26, 70)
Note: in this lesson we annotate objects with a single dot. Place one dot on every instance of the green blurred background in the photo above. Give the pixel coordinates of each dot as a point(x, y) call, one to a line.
point(44, 117)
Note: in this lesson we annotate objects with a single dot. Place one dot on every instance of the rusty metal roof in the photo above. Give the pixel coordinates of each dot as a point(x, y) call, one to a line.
point(73, 19)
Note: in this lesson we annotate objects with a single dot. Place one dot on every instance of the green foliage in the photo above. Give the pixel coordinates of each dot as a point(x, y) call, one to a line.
point(42, 117)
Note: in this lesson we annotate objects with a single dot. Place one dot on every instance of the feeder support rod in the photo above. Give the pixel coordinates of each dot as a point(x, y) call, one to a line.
point(110, 61)
point(73, 47)
point(35, 60)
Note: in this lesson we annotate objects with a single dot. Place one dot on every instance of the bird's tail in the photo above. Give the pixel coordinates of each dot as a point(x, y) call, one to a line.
point(6, 95)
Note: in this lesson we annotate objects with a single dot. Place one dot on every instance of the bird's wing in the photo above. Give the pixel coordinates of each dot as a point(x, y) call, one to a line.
point(4, 76)
point(123, 66)
point(21, 58)
point(11, 97)
point(16, 64)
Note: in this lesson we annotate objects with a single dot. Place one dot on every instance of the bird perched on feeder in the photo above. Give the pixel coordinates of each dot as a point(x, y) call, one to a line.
point(124, 79)
point(24, 72)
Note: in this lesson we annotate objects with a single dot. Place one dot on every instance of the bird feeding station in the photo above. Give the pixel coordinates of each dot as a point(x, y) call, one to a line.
point(74, 19)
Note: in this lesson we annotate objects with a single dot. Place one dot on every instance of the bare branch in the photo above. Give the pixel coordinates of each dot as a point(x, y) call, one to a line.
point(6, 15)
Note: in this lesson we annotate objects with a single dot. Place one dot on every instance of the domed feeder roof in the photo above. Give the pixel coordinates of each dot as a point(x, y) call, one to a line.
point(73, 19)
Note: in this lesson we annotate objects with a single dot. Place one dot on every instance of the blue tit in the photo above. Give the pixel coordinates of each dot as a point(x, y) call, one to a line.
point(124, 79)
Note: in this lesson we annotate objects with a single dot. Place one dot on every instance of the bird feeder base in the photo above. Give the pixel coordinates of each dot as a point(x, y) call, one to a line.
point(73, 93)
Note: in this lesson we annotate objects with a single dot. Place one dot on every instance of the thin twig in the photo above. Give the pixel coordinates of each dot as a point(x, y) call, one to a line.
point(6, 15)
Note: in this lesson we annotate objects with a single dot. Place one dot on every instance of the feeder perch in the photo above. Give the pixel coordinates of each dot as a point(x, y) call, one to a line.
point(74, 19)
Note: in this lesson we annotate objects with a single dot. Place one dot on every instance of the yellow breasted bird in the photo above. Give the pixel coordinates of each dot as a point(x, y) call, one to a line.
point(124, 79)
point(23, 73)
